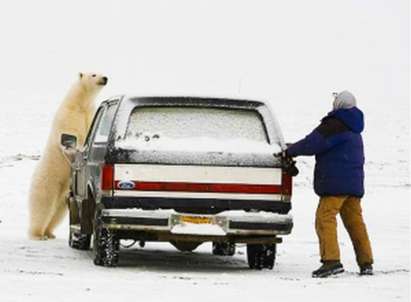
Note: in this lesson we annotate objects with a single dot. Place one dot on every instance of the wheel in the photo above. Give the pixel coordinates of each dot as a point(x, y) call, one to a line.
point(261, 256)
point(223, 248)
point(106, 246)
point(185, 246)
point(79, 241)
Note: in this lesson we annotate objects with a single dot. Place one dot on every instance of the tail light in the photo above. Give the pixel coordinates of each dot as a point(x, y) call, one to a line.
point(107, 177)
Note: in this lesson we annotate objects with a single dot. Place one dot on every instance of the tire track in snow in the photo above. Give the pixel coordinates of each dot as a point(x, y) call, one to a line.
point(8, 161)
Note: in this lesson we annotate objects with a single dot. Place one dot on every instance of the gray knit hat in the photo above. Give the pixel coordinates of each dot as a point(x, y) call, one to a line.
point(344, 100)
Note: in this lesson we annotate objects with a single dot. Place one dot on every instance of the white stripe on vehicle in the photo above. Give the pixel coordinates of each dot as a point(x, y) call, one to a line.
point(198, 174)
point(197, 195)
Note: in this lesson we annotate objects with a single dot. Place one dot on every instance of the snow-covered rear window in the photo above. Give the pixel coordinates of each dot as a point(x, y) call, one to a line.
point(147, 123)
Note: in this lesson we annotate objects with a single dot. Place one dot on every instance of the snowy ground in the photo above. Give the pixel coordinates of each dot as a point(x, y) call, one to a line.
point(44, 271)
point(291, 53)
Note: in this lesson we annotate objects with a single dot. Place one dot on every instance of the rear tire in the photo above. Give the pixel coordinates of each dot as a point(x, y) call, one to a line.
point(223, 248)
point(106, 246)
point(261, 256)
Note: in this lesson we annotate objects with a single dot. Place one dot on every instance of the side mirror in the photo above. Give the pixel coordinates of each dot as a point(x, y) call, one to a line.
point(68, 141)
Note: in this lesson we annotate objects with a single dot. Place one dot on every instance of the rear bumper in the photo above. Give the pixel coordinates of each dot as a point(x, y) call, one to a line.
point(226, 223)
point(203, 205)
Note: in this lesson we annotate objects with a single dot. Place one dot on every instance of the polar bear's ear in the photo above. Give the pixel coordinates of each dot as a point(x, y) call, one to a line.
point(80, 75)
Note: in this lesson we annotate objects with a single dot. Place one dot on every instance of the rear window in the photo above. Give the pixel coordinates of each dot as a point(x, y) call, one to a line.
point(155, 123)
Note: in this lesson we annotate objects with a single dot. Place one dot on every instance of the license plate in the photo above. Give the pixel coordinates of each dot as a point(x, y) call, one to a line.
point(196, 219)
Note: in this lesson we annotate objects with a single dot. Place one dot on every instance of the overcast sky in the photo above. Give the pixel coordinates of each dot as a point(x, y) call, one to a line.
point(287, 52)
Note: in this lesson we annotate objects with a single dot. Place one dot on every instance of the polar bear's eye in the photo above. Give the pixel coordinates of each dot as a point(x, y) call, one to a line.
point(93, 75)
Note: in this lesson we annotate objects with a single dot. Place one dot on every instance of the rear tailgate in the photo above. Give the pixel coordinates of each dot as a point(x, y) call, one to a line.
point(200, 182)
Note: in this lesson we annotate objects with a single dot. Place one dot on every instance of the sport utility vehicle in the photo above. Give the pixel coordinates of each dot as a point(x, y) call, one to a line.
point(185, 170)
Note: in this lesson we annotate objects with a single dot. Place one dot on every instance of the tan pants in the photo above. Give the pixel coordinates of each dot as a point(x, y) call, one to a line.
point(326, 226)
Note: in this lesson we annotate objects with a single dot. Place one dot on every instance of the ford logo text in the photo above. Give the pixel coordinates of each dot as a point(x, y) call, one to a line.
point(126, 185)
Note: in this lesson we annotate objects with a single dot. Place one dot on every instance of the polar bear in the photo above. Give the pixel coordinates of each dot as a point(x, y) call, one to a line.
point(50, 181)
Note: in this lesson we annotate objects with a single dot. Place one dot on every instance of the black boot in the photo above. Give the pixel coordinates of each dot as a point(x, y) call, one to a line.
point(328, 268)
point(366, 270)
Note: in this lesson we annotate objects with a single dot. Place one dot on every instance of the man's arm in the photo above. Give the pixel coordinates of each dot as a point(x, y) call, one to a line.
point(321, 139)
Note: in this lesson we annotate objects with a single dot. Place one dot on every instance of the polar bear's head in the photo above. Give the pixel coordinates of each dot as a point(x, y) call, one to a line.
point(92, 82)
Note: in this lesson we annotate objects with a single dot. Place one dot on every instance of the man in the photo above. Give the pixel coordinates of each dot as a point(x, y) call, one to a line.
point(339, 181)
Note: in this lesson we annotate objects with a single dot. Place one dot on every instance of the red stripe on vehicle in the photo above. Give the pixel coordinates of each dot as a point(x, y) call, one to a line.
point(204, 187)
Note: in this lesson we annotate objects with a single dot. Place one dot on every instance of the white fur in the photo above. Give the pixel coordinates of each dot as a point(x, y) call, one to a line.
point(50, 182)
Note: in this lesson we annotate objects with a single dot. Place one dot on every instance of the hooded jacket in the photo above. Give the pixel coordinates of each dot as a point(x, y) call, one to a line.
point(338, 148)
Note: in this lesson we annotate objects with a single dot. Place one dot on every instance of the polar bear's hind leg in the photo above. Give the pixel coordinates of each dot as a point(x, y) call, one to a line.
point(40, 212)
point(60, 212)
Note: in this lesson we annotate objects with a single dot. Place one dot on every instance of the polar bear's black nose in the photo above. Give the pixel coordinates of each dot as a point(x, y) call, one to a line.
point(104, 80)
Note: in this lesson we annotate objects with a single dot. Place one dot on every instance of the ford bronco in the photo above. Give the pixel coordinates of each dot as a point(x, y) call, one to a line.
point(184, 170)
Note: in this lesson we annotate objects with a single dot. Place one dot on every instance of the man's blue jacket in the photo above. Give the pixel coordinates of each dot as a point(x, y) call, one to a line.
point(338, 148)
